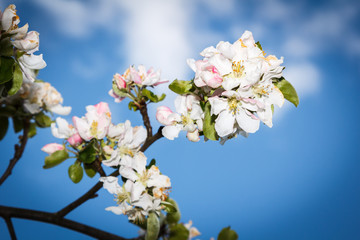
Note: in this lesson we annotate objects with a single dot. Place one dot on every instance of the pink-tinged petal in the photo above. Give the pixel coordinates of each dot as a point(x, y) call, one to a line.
point(162, 115)
point(75, 140)
point(160, 82)
point(193, 136)
point(52, 147)
point(102, 108)
point(224, 123)
point(171, 132)
point(247, 121)
point(222, 64)
point(117, 98)
point(111, 184)
point(120, 81)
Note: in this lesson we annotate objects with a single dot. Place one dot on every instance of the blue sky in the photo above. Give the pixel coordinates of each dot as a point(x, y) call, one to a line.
point(298, 180)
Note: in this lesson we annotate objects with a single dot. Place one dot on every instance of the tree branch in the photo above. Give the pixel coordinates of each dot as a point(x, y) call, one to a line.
point(11, 212)
point(18, 151)
point(10, 227)
point(145, 117)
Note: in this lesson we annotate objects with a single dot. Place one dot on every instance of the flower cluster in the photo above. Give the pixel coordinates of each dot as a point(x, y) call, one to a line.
point(123, 84)
point(234, 88)
point(25, 43)
point(144, 190)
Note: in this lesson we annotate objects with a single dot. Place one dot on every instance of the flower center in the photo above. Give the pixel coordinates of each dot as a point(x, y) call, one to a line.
point(120, 197)
point(238, 69)
point(185, 119)
point(127, 151)
point(233, 103)
point(94, 128)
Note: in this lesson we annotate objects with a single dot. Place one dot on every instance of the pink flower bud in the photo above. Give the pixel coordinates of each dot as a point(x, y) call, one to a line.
point(75, 140)
point(120, 81)
point(52, 147)
point(162, 115)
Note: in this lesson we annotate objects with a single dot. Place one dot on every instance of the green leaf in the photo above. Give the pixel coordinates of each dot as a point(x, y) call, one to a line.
point(173, 217)
point(178, 232)
point(181, 86)
point(209, 124)
point(153, 97)
point(89, 170)
point(4, 123)
point(32, 130)
point(120, 92)
point(42, 120)
point(89, 153)
point(227, 234)
point(6, 69)
point(153, 227)
point(76, 172)
point(168, 207)
point(17, 80)
point(7, 111)
point(6, 48)
point(17, 124)
point(288, 91)
point(55, 158)
point(152, 163)
point(132, 106)
point(259, 45)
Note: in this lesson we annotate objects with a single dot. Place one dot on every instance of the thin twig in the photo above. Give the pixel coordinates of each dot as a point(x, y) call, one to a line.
point(10, 227)
point(11, 212)
point(18, 151)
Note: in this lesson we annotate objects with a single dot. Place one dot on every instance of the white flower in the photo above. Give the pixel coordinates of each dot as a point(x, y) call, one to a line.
point(96, 122)
point(193, 231)
point(29, 63)
point(129, 142)
point(122, 195)
point(64, 129)
point(29, 44)
point(232, 111)
point(42, 95)
point(143, 77)
point(9, 19)
point(188, 118)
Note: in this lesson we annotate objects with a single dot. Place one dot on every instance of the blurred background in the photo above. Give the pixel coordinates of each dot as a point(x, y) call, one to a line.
point(298, 180)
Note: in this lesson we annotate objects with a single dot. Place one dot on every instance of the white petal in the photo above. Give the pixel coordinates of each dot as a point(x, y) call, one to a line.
point(111, 184)
point(217, 105)
point(59, 109)
point(137, 189)
point(248, 122)
point(222, 64)
point(231, 82)
point(160, 181)
point(224, 123)
point(128, 172)
point(139, 162)
point(171, 132)
point(114, 160)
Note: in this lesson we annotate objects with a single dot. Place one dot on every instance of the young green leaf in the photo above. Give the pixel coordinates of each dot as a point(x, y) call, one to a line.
point(259, 45)
point(152, 163)
point(151, 96)
point(168, 207)
point(132, 106)
point(4, 123)
point(120, 92)
point(227, 234)
point(178, 232)
point(89, 153)
point(173, 217)
point(181, 86)
point(32, 130)
point(42, 120)
point(153, 227)
point(209, 124)
point(288, 91)
point(17, 124)
point(17, 80)
point(76, 172)
point(89, 170)
point(55, 158)
point(6, 69)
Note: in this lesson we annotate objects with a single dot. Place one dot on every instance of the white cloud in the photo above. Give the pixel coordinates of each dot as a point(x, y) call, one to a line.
point(305, 77)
